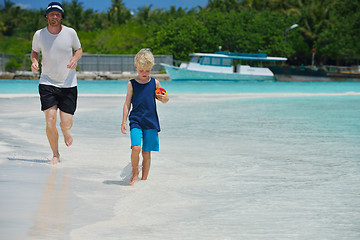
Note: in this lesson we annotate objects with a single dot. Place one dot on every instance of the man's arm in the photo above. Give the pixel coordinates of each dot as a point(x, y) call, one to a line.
point(73, 61)
point(34, 57)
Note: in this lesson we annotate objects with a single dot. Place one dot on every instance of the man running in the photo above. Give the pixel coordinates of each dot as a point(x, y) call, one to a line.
point(61, 50)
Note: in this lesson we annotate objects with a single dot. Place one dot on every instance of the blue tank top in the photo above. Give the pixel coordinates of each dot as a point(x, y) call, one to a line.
point(143, 114)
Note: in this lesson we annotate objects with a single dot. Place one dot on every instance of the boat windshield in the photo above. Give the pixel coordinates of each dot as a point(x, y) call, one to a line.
point(216, 61)
point(195, 59)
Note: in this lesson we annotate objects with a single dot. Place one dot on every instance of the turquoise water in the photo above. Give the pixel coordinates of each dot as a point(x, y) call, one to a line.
point(258, 160)
point(119, 87)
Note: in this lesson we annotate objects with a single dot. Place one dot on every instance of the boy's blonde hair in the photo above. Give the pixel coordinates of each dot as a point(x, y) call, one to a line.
point(144, 58)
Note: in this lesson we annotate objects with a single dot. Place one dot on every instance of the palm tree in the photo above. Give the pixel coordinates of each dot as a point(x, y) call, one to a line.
point(314, 18)
point(257, 5)
point(74, 14)
point(143, 14)
point(223, 5)
point(10, 17)
point(287, 7)
point(118, 13)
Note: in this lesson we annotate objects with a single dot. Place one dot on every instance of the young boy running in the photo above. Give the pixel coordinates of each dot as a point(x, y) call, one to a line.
point(144, 121)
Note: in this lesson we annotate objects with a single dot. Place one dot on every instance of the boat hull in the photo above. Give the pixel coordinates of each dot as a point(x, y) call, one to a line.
point(183, 74)
point(305, 74)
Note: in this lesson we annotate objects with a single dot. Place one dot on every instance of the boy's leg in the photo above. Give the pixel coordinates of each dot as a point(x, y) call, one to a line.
point(136, 135)
point(146, 164)
point(135, 163)
point(151, 143)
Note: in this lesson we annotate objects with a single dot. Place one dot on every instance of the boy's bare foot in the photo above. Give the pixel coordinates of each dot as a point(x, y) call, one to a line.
point(134, 179)
point(55, 160)
point(67, 138)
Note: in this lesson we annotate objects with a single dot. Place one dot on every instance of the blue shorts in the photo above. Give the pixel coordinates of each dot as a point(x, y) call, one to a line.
point(149, 137)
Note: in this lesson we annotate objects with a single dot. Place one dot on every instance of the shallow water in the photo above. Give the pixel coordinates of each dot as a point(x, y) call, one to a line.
point(193, 87)
point(261, 160)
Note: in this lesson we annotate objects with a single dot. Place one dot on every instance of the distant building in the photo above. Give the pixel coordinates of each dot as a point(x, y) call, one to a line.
point(117, 63)
point(4, 58)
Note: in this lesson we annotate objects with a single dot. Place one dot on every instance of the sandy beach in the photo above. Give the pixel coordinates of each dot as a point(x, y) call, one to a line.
point(38, 200)
point(279, 167)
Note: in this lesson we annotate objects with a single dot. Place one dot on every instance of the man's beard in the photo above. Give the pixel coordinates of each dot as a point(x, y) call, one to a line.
point(55, 23)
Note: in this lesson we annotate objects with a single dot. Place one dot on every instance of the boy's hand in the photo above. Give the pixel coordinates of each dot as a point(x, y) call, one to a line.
point(123, 128)
point(162, 98)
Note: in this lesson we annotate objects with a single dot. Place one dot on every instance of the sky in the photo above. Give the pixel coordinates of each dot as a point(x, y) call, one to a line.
point(104, 5)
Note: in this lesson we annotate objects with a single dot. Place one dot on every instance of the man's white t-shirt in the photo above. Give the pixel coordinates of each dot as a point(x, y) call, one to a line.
point(56, 50)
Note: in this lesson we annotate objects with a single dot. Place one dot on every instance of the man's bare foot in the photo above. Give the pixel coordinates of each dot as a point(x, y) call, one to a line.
point(134, 179)
point(67, 138)
point(55, 160)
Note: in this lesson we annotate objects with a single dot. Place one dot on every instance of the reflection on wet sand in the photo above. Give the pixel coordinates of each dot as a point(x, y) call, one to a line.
point(50, 219)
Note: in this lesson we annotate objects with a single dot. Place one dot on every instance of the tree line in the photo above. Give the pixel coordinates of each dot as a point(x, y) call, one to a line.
point(328, 28)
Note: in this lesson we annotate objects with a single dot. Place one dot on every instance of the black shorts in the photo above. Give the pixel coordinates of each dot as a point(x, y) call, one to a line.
point(64, 98)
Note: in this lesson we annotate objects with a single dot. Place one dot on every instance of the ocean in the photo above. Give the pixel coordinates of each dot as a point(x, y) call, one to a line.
point(237, 160)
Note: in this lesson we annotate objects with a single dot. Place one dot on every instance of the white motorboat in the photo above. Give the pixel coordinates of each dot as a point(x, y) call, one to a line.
point(224, 66)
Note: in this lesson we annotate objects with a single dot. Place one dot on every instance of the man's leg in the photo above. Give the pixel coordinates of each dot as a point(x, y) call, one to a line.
point(66, 122)
point(52, 133)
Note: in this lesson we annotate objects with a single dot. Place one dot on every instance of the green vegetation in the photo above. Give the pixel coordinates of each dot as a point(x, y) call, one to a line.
point(329, 26)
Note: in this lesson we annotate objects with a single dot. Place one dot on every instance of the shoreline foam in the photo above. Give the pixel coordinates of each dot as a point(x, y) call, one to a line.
point(199, 96)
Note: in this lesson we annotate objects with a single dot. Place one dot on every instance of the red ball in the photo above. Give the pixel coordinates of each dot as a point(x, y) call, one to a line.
point(160, 91)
